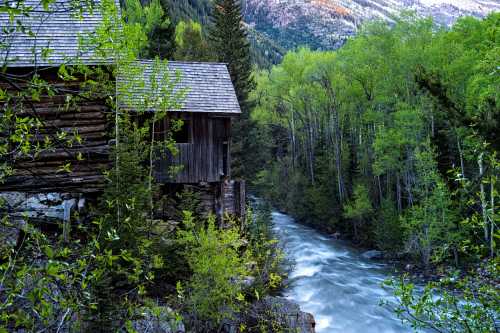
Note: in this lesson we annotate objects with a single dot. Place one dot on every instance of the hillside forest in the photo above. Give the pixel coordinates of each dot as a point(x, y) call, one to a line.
point(389, 142)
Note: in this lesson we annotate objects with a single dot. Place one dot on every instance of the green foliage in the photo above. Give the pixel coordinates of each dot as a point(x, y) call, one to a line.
point(360, 207)
point(388, 229)
point(214, 291)
point(266, 254)
point(391, 109)
point(228, 41)
point(431, 223)
point(190, 42)
point(155, 23)
point(473, 306)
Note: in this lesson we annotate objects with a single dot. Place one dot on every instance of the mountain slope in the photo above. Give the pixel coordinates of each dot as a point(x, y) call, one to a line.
point(326, 24)
point(275, 26)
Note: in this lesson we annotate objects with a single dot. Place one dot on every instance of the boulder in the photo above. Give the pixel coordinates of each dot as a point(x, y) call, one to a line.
point(373, 254)
point(274, 313)
point(248, 281)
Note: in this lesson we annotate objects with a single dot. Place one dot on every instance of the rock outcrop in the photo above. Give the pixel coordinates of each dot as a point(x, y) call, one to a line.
point(274, 314)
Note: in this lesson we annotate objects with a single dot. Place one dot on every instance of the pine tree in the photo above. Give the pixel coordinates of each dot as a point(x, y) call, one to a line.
point(157, 25)
point(228, 40)
point(190, 43)
point(162, 40)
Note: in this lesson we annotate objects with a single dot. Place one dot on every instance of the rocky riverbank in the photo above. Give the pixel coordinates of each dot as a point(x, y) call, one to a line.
point(271, 314)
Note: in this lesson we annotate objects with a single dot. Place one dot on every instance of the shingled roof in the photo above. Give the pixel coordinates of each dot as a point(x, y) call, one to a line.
point(55, 34)
point(207, 85)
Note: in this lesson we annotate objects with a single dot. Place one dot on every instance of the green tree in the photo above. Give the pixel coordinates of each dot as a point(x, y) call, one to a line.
point(157, 26)
point(430, 223)
point(359, 209)
point(229, 43)
point(190, 44)
point(214, 291)
point(471, 307)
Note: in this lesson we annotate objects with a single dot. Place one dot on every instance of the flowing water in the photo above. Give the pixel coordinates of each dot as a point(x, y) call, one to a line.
point(331, 280)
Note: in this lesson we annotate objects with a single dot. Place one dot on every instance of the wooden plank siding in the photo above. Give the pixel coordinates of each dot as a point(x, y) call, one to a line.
point(205, 158)
point(87, 118)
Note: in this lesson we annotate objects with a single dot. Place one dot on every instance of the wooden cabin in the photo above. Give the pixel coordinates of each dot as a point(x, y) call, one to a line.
point(203, 143)
point(40, 186)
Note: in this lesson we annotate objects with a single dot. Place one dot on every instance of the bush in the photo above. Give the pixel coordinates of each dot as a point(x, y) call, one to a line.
point(388, 229)
point(267, 255)
point(451, 305)
point(214, 291)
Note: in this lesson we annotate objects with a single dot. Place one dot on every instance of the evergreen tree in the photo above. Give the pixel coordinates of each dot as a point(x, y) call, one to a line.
point(157, 25)
point(230, 45)
point(162, 40)
point(190, 44)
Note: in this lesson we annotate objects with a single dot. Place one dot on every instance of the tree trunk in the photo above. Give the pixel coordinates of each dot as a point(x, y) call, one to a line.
point(398, 192)
point(379, 190)
point(484, 204)
point(294, 142)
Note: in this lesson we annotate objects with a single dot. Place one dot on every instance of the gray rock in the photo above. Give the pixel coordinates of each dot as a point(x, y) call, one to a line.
point(373, 254)
point(38, 205)
point(274, 313)
point(9, 233)
point(12, 200)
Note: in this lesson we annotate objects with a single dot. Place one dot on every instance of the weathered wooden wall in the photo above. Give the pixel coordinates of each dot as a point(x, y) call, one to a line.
point(205, 159)
point(87, 159)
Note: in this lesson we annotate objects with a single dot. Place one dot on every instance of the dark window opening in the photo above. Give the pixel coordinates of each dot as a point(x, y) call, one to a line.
point(183, 135)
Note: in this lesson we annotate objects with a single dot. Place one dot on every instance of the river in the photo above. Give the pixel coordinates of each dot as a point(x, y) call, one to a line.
point(331, 280)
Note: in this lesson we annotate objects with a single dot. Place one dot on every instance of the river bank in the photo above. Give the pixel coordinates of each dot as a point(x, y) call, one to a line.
point(402, 263)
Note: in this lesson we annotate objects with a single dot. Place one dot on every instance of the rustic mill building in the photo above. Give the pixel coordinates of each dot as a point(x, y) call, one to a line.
point(39, 188)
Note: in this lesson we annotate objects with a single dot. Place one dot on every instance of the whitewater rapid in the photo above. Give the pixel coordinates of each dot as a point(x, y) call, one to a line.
point(331, 280)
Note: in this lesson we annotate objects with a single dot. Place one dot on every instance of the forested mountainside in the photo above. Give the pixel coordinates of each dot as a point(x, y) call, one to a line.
point(326, 24)
point(264, 51)
point(275, 26)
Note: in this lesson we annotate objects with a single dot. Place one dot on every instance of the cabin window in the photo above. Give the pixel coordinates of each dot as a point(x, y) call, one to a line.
point(183, 135)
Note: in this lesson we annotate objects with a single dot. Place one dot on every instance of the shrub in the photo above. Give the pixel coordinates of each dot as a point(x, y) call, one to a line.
point(214, 291)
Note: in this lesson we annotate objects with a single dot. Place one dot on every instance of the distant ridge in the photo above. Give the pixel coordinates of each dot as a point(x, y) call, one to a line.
point(326, 24)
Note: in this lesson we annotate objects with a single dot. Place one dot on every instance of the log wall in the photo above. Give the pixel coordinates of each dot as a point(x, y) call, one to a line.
point(88, 159)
